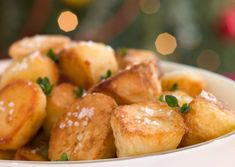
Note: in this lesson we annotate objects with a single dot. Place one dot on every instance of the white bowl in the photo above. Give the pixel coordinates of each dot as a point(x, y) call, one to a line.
point(214, 153)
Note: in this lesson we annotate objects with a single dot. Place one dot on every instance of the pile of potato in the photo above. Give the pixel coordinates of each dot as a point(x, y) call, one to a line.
point(67, 100)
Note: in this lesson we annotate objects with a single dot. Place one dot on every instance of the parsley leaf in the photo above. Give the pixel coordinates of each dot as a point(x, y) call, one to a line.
point(171, 101)
point(64, 157)
point(161, 98)
point(174, 87)
point(107, 75)
point(123, 51)
point(79, 92)
point(45, 84)
point(51, 54)
point(185, 108)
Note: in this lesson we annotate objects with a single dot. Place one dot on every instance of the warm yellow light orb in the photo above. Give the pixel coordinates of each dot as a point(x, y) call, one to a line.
point(67, 21)
point(165, 44)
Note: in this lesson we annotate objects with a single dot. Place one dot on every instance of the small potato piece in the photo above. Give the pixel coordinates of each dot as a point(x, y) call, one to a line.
point(85, 62)
point(207, 119)
point(135, 56)
point(22, 111)
point(31, 68)
point(85, 133)
point(7, 155)
point(36, 150)
point(41, 43)
point(138, 84)
point(29, 154)
point(146, 128)
point(58, 102)
point(187, 81)
point(181, 96)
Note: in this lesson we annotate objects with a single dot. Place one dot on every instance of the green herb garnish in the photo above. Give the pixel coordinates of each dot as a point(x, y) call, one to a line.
point(161, 98)
point(45, 84)
point(79, 91)
point(51, 54)
point(107, 75)
point(185, 108)
point(123, 51)
point(64, 157)
point(174, 87)
point(171, 101)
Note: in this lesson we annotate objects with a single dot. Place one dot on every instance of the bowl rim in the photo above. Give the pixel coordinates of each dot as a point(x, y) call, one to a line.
point(166, 63)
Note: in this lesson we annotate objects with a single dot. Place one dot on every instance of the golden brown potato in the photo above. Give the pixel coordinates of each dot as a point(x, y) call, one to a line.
point(58, 102)
point(85, 62)
point(31, 68)
point(181, 96)
point(84, 133)
point(130, 57)
point(36, 150)
point(22, 111)
point(187, 81)
point(41, 43)
point(146, 128)
point(29, 154)
point(7, 155)
point(207, 119)
point(137, 84)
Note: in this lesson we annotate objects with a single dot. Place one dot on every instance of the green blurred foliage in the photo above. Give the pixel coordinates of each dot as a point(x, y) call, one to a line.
point(193, 23)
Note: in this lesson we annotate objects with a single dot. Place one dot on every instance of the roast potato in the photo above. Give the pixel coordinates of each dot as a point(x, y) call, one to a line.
point(187, 81)
point(146, 128)
point(58, 102)
point(84, 133)
point(84, 63)
point(22, 111)
point(31, 68)
point(129, 57)
point(181, 96)
point(36, 150)
point(41, 43)
point(207, 119)
point(137, 84)
point(7, 155)
point(29, 154)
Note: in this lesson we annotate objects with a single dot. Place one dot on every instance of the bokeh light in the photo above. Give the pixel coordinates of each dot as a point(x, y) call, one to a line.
point(165, 44)
point(149, 6)
point(208, 59)
point(67, 21)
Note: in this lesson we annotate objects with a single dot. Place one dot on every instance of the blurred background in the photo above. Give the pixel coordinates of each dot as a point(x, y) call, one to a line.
point(195, 32)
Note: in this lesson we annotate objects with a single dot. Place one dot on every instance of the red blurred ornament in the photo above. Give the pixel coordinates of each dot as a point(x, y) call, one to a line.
point(227, 24)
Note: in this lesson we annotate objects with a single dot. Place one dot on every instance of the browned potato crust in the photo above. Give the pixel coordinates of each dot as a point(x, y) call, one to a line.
point(29, 154)
point(134, 57)
point(137, 84)
point(85, 62)
point(187, 81)
point(84, 133)
point(146, 128)
point(31, 68)
point(22, 105)
point(58, 102)
point(41, 43)
point(36, 150)
point(7, 155)
point(207, 119)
